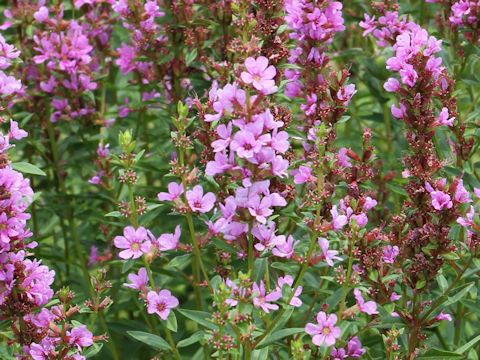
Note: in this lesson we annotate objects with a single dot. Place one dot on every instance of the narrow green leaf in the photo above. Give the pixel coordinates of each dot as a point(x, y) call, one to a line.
point(150, 339)
point(468, 345)
point(172, 321)
point(200, 317)
point(191, 340)
point(437, 354)
point(27, 168)
point(280, 334)
point(93, 350)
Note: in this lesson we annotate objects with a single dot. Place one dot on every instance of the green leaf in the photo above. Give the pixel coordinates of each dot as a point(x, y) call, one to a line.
point(460, 294)
point(191, 340)
point(150, 339)
point(280, 334)
point(200, 317)
point(27, 168)
point(180, 261)
point(172, 321)
point(261, 354)
point(397, 189)
point(191, 56)
point(468, 345)
point(114, 214)
point(437, 354)
point(93, 350)
point(127, 265)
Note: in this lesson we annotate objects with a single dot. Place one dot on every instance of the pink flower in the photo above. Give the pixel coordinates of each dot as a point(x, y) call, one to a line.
point(80, 336)
point(326, 331)
point(369, 307)
point(199, 202)
point(339, 221)
point(15, 132)
point(302, 175)
point(135, 242)
point(139, 281)
point(399, 112)
point(469, 220)
point(346, 93)
point(392, 85)
point(259, 74)
point(41, 14)
point(443, 118)
point(288, 280)
point(395, 296)
point(409, 75)
point(390, 253)
point(443, 316)
point(284, 248)
point(329, 255)
point(354, 347)
point(174, 191)
point(441, 200)
point(343, 158)
point(262, 300)
point(169, 241)
point(461, 194)
point(161, 303)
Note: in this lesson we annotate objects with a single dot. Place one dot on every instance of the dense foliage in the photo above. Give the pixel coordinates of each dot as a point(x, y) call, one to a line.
point(236, 179)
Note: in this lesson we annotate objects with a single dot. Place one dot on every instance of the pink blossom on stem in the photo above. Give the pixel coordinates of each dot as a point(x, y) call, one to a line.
point(174, 191)
point(199, 202)
point(390, 253)
point(169, 241)
point(139, 281)
point(135, 242)
point(369, 307)
point(259, 74)
point(329, 255)
point(261, 300)
point(326, 331)
point(161, 303)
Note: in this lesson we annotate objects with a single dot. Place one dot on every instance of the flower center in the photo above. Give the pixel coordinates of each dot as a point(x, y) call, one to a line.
point(161, 306)
point(326, 331)
point(136, 247)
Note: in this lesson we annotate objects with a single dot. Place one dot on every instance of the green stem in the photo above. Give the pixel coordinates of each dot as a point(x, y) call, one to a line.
point(346, 285)
point(149, 272)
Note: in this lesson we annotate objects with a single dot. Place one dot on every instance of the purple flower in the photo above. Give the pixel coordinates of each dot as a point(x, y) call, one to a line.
point(139, 281)
point(369, 307)
point(284, 248)
point(135, 242)
point(174, 191)
point(259, 74)
point(443, 118)
point(169, 241)
point(161, 303)
point(399, 112)
point(469, 220)
point(339, 221)
point(461, 194)
point(302, 175)
point(441, 200)
point(391, 85)
point(443, 316)
point(41, 14)
point(329, 255)
point(288, 280)
point(15, 132)
point(343, 158)
point(262, 300)
point(346, 93)
point(326, 331)
point(354, 348)
point(199, 202)
point(390, 253)
point(80, 336)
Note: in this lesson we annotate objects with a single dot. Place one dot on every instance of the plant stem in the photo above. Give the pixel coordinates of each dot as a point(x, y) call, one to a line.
point(346, 285)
